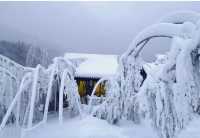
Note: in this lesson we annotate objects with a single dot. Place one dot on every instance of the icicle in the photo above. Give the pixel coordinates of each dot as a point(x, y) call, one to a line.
point(61, 92)
point(34, 91)
point(49, 91)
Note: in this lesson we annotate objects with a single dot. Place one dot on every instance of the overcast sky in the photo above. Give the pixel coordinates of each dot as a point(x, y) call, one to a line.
point(91, 27)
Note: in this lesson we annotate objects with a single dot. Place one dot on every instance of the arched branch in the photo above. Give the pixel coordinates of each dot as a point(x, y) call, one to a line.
point(145, 41)
point(158, 30)
point(9, 73)
point(94, 90)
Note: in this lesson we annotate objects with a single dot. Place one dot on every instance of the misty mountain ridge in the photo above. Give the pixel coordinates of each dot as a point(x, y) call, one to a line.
point(24, 54)
point(11, 34)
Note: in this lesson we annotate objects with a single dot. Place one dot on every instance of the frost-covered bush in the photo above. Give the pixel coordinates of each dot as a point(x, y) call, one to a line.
point(110, 109)
point(170, 95)
point(71, 92)
point(11, 75)
point(121, 100)
point(30, 103)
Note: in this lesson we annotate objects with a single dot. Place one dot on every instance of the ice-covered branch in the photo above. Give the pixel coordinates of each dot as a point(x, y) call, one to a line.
point(159, 30)
point(181, 17)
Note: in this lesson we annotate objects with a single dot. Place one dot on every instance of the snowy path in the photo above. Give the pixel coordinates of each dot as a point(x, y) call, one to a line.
point(192, 131)
point(91, 127)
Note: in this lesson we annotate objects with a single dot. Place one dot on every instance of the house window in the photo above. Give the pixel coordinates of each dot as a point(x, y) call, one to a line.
point(82, 88)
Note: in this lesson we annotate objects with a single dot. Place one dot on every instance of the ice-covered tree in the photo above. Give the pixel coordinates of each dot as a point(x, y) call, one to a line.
point(36, 55)
point(170, 95)
point(28, 104)
point(110, 108)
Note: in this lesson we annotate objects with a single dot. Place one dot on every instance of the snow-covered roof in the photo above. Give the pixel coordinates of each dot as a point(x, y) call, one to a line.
point(94, 65)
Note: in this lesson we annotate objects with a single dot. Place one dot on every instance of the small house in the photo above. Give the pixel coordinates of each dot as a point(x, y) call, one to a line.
point(90, 69)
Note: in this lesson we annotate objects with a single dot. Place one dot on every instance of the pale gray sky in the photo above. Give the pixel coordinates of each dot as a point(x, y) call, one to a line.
point(91, 27)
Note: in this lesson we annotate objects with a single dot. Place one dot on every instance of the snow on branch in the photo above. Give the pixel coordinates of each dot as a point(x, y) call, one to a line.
point(172, 84)
point(181, 17)
point(159, 30)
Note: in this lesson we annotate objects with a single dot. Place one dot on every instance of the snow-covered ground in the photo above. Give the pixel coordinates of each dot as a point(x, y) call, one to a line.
point(192, 130)
point(91, 127)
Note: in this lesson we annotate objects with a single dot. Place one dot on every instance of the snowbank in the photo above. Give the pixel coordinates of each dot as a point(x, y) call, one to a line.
point(91, 127)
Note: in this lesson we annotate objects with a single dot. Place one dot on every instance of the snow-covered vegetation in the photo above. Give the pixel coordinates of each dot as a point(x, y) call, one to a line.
point(163, 94)
point(28, 103)
point(169, 96)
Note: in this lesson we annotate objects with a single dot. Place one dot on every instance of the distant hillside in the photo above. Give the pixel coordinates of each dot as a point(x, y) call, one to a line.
point(24, 54)
point(11, 34)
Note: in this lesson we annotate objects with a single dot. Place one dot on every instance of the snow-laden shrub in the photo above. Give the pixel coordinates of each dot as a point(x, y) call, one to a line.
point(66, 72)
point(110, 109)
point(121, 100)
point(11, 76)
point(173, 95)
point(71, 92)
point(33, 99)
point(170, 95)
